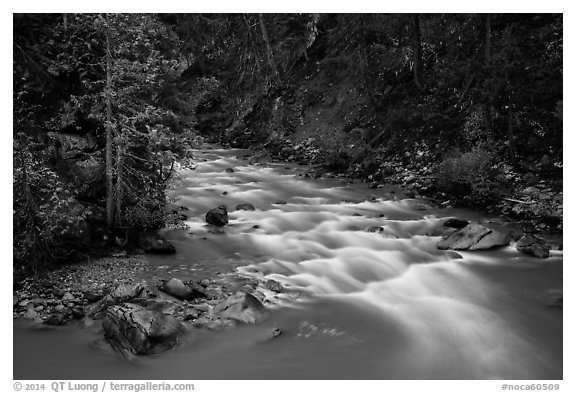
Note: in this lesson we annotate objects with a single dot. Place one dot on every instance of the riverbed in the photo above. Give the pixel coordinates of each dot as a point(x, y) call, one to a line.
point(375, 304)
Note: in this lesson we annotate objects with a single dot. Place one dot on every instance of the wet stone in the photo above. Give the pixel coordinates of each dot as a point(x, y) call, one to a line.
point(374, 229)
point(245, 206)
point(455, 223)
point(273, 285)
point(533, 246)
point(217, 216)
point(473, 237)
point(57, 319)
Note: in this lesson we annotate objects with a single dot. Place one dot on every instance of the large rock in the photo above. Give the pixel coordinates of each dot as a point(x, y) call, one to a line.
point(58, 318)
point(120, 293)
point(93, 294)
point(455, 223)
point(180, 290)
point(153, 243)
point(98, 310)
point(242, 307)
point(132, 328)
point(473, 237)
point(491, 240)
point(124, 292)
point(217, 216)
point(533, 246)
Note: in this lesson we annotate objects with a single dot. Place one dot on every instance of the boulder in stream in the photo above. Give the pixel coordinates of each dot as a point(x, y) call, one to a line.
point(245, 206)
point(98, 310)
point(242, 307)
point(181, 290)
point(455, 223)
point(134, 329)
point(534, 246)
point(491, 240)
point(474, 237)
point(217, 216)
point(153, 243)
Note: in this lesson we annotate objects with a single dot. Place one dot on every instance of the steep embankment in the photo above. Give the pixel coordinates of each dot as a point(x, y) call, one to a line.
point(324, 115)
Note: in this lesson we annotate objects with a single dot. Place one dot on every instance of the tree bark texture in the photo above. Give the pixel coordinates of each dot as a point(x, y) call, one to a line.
point(119, 180)
point(269, 50)
point(417, 51)
point(487, 57)
point(109, 132)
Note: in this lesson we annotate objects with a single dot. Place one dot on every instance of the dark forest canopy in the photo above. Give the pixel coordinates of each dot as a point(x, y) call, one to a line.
point(104, 104)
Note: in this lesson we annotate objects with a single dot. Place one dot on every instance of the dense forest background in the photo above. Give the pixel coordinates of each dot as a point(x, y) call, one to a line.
point(462, 108)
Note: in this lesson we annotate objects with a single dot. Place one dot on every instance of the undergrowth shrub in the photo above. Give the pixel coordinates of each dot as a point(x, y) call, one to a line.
point(148, 213)
point(470, 176)
point(48, 222)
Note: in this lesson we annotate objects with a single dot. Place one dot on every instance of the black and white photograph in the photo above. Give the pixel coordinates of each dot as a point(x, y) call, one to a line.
point(262, 196)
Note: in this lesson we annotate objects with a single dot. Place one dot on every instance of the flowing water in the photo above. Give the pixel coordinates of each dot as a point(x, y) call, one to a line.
point(385, 305)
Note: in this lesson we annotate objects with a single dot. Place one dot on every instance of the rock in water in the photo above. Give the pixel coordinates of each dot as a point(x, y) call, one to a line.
point(217, 216)
point(57, 319)
point(245, 206)
point(241, 307)
point(473, 237)
point(455, 223)
point(98, 310)
point(153, 243)
point(180, 290)
point(464, 238)
point(531, 245)
point(374, 228)
point(132, 328)
point(273, 285)
point(491, 240)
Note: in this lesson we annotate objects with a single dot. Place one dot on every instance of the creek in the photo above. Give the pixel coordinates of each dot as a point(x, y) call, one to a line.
point(374, 305)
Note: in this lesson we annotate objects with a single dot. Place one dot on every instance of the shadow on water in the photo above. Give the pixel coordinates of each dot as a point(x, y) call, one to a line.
point(379, 305)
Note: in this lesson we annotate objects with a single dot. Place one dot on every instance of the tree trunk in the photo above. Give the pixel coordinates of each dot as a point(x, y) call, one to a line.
point(109, 136)
point(365, 61)
point(487, 57)
point(417, 51)
point(487, 39)
point(511, 144)
point(487, 119)
point(119, 179)
point(269, 51)
point(253, 42)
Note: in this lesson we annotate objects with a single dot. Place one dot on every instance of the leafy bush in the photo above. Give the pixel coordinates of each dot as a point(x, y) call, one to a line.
point(471, 176)
point(337, 160)
point(149, 212)
point(47, 218)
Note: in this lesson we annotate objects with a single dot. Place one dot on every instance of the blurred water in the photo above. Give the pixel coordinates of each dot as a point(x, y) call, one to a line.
point(385, 305)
